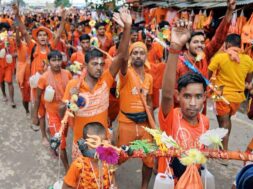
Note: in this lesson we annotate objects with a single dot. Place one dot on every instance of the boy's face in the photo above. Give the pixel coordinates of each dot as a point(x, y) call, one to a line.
point(55, 64)
point(191, 99)
point(91, 132)
point(42, 37)
point(101, 30)
point(85, 44)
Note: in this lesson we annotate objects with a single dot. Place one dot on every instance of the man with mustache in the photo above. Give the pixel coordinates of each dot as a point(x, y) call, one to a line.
point(94, 88)
point(198, 53)
point(133, 81)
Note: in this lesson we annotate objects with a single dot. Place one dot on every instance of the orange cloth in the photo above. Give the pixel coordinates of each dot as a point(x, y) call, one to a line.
point(155, 54)
point(158, 14)
point(54, 125)
point(190, 179)
point(130, 101)
point(157, 71)
point(58, 82)
point(6, 74)
point(82, 170)
point(39, 58)
point(97, 103)
point(78, 56)
point(112, 51)
point(226, 109)
point(106, 44)
point(129, 132)
point(185, 134)
point(23, 71)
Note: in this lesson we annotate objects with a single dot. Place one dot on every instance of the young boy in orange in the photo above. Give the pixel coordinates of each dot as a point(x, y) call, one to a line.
point(131, 80)
point(57, 78)
point(95, 87)
point(233, 69)
point(185, 124)
point(80, 55)
point(84, 171)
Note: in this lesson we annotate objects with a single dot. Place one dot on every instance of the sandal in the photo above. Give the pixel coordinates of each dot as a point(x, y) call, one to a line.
point(35, 128)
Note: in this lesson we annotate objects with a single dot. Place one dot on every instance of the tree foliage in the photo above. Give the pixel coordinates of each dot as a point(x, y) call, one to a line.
point(64, 3)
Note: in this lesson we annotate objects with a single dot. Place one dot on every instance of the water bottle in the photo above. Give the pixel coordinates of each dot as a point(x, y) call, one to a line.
point(163, 181)
point(9, 59)
point(2, 53)
point(207, 177)
point(58, 184)
point(34, 80)
point(49, 94)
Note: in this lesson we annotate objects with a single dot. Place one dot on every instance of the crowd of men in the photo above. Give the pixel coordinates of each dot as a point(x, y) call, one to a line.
point(123, 71)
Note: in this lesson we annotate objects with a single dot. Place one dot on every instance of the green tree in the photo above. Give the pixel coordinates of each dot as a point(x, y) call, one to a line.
point(64, 3)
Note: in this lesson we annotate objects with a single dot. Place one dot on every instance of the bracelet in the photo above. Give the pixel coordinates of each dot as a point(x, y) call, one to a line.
point(174, 51)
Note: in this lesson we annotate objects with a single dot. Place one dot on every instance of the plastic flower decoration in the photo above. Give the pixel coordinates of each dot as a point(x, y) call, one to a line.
point(169, 141)
point(108, 154)
point(162, 140)
point(3, 36)
point(75, 67)
point(200, 56)
point(143, 145)
point(213, 137)
point(193, 156)
point(92, 23)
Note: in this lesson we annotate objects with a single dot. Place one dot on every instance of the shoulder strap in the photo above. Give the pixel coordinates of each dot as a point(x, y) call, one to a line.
point(138, 86)
point(32, 54)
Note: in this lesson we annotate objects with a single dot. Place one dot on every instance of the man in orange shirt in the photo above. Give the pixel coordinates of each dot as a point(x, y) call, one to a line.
point(55, 79)
point(184, 124)
point(104, 41)
point(7, 64)
point(133, 81)
point(95, 87)
point(79, 55)
point(23, 71)
point(38, 53)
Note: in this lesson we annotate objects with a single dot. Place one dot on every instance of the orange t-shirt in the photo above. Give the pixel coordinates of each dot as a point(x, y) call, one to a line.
point(130, 101)
point(38, 63)
point(84, 174)
point(78, 56)
point(156, 53)
point(11, 50)
point(181, 131)
point(97, 103)
point(106, 44)
point(58, 82)
point(112, 51)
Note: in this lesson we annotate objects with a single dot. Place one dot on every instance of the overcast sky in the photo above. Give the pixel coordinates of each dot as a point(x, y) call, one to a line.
point(49, 1)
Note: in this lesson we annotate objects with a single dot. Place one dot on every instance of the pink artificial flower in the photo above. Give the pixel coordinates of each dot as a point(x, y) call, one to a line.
point(109, 155)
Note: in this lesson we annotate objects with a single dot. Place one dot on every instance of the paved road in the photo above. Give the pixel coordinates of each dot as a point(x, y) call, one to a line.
point(26, 164)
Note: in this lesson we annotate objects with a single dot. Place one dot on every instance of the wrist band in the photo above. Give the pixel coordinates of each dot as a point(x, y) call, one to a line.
point(174, 51)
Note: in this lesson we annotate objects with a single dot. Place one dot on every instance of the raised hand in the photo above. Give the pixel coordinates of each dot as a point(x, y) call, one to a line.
point(15, 9)
point(231, 5)
point(181, 33)
point(125, 16)
point(117, 19)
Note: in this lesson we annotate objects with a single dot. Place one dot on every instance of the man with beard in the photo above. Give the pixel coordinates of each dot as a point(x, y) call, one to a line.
point(56, 79)
point(133, 81)
point(200, 54)
point(94, 88)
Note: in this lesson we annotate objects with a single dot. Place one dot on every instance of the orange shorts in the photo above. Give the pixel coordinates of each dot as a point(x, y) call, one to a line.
point(226, 109)
point(6, 74)
point(54, 125)
point(129, 132)
point(25, 92)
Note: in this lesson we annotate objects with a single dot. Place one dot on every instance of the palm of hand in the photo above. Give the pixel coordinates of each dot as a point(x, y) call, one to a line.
point(180, 35)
